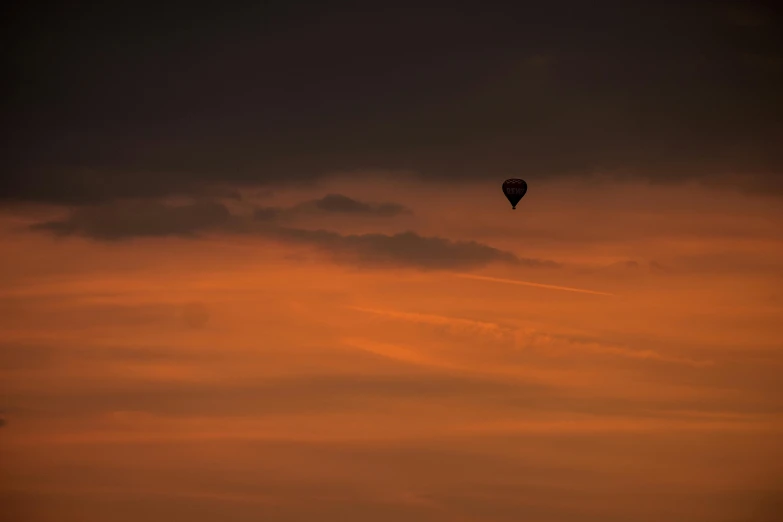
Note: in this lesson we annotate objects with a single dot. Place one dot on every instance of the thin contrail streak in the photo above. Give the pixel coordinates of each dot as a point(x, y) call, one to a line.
point(528, 283)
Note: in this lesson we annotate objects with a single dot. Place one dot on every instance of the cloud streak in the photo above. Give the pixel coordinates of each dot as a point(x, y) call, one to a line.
point(145, 219)
point(536, 285)
point(405, 249)
point(150, 218)
point(341, 204)
point(569, 345)
point(456, 323)
point(332, 204)
point(130, 219)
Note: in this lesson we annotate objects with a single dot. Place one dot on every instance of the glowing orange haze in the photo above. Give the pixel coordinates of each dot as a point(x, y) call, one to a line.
point(235, 378)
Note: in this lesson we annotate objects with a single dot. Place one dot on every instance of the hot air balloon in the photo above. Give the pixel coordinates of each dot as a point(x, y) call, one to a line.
point(514, 189)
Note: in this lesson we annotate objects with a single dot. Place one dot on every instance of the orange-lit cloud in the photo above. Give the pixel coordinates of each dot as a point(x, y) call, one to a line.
point(250, 375)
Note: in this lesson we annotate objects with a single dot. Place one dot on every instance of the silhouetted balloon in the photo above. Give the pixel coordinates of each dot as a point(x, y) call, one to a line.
point(514, 189)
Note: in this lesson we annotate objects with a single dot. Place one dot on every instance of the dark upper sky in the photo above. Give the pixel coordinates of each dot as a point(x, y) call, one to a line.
point(106, 102)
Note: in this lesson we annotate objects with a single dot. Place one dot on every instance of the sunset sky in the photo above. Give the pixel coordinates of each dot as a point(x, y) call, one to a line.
point(257, 266)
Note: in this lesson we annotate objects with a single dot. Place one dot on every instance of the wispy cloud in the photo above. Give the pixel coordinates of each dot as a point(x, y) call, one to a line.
point(341, 204)
point(456, 323)
point(129, 219)
point(334, 204)
point(404, 249)
point(568, 346)
point(144, 219)
point(529, 283)
point(549, 344)
point(135, 218)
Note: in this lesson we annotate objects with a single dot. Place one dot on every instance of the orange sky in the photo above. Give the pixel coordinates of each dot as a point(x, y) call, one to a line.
point(238, 377)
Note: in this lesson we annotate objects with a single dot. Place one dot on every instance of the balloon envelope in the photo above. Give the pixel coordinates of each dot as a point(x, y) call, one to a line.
point(514, 190)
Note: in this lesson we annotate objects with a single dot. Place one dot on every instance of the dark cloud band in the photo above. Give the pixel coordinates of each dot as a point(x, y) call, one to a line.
point(274, 95)
point(126, 220)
